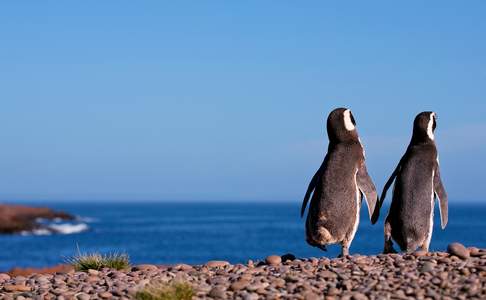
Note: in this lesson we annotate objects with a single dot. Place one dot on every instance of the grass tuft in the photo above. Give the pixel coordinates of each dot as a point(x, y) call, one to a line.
point(159, 290)
point(97, 261)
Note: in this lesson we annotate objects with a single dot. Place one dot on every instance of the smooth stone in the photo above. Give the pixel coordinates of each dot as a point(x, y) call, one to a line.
point(251, 296)
point(105, 295)
point(427, 267)
point(239, 285)
point(93, 272)
point(82, 296)
point(311, 296)
point(217, 292)
point(420, 253)
point(4, 277)
point(273, 260)
point(359, 296)
point(458, 250)
point(183, 267)
point(327, 274)
point(16, 288)
point(217, 264)
point(278, 282)
point(145, 267)
point(473, 251)
point(257, 286)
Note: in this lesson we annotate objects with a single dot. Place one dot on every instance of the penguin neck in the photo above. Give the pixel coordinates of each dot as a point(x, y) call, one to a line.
point(334, 142)
point(342, 137)
point(421, 137)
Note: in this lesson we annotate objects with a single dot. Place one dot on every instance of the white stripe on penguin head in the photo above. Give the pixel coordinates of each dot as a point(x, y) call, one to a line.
point(348, 124)
point(430, 131)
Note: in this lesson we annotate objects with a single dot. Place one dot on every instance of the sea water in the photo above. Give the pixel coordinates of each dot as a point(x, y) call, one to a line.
point(193, 233)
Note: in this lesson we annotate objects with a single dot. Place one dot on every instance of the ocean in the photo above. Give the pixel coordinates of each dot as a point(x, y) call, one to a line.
point(193, 233)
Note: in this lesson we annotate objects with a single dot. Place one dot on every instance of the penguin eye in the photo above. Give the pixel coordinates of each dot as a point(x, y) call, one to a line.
point(352, 119)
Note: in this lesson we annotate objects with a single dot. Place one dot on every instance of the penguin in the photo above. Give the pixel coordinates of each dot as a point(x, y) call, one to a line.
point(338, 186)
point(418, 182)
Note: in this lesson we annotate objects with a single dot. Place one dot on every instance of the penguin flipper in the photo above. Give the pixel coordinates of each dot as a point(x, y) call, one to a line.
point(312, 186)
point(376, 213)
point(367, 188)
point(441, 194)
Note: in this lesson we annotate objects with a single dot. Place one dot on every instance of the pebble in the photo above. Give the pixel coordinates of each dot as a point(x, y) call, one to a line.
point(217, 292)
point(427, 267)
point(474, 251)
point(402, 276)
point(311, 296)
point(217, 264)
point(82, 296)
point(273, 260)
point(4, 277)
point(458, 250)
point(105, 295)
point(183, 267)
point(328, 274)
point(16, 288)
point(239, 285)
point(420, 253)
point(145, 267)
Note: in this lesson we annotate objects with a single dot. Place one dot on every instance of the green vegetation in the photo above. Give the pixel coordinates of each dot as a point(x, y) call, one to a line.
point(97, 261)
point(159, 290)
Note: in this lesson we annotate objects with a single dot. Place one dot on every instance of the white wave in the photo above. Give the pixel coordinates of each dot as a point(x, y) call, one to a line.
point(38, 231)
point(68, 228)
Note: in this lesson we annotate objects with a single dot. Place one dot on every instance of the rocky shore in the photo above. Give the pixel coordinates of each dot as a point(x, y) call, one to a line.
point(19, 218)
point(459, 273)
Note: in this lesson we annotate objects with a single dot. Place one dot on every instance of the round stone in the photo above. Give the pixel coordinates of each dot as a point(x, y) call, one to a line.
point(427, 267)
point(473, 251)
point(183, 267)
point(420, 253)
point(311, 296)
point(217, 264)
point(273, 260)
point(82, 296)
point(4, 277)
point(16, 288)
point(105, 295)
point(145, 267)
point(458, 250)
point(217, 292)
point(239, 285)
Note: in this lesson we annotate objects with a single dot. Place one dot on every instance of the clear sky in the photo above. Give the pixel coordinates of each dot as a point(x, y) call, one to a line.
point(227, 100)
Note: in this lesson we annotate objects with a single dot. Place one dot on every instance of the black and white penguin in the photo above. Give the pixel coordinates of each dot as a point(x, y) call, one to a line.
point(338, 186)
point(417, 183)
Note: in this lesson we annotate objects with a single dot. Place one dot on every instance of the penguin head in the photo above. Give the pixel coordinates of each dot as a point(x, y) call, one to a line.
point(424, 126)
point(341, 125)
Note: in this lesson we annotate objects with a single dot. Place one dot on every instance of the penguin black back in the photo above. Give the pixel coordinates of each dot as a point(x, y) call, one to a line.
point(417, 182)
point(338, 185)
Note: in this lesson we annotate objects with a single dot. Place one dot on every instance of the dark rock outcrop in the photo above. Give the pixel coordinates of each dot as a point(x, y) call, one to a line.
point(18, 218)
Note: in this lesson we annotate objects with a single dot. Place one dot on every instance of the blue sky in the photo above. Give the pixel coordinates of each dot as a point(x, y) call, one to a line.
point(220, 100)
